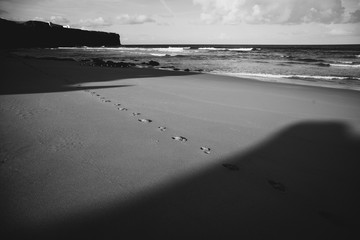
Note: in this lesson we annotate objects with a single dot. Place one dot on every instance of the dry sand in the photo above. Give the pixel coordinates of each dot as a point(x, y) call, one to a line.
point(105, 153)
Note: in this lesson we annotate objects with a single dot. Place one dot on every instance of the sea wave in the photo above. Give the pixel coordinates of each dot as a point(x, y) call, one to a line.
point(168, 49)
point(227, 49)
point(166, 55)
point(305, 80)
point(345, 65)
point(171, 49)
point(213, 49)
point(66, 48)
point(159, 54)
point(241, 49)
point(285, 76)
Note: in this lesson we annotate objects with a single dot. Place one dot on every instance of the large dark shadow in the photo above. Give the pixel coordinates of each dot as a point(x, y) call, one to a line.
point(20, 75)
point(302, 183)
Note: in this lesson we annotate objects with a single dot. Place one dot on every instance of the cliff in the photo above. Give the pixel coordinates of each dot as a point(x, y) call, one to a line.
point(46, 34)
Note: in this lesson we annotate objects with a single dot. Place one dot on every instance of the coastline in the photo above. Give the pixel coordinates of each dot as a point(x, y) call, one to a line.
point(285, 64)
point(282, 158)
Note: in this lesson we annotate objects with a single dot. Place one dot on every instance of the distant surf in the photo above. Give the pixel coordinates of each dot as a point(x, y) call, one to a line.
point(322, 65)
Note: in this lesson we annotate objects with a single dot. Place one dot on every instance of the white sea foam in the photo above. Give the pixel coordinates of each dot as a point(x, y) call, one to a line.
point(345, 65)
point(212, 49)
point(158, 54)
point(228, 49)
point(320, 81)
point(278, 76)
point(164, 54)
point(241, 49)
point(171, 49)
point(66, 48)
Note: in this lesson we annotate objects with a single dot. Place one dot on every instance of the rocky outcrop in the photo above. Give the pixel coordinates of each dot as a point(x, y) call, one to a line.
point(46, 34)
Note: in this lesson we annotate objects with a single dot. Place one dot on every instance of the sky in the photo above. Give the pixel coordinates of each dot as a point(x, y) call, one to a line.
point(201, 21)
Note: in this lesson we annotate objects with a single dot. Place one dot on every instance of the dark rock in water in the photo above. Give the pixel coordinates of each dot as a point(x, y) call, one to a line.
point(101, 63)
point(187, 70)
point(98, 62)
point(111, 64)
point(46, 34)
point(84, 60)
point(323, 64)
point(176, 69)
point(153, 63)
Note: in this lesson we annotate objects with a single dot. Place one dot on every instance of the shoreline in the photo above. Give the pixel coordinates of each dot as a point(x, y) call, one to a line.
point(97, 151)
point(278, 80)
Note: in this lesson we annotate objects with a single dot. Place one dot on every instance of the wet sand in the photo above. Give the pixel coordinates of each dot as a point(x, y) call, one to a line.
point(96, 152)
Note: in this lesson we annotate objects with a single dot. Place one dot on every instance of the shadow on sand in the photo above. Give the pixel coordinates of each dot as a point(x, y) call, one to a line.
point(303, 183)
point(26, 75)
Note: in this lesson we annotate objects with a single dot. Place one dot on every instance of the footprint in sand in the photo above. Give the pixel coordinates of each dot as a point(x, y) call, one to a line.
point(231, 167)
point(206, 150)
point(106, 101)
point(122, 109)
point(117, 104)
point(136, 114)
point(277, 185)
point(180, 138)
point(163, 129)
point(145, 120)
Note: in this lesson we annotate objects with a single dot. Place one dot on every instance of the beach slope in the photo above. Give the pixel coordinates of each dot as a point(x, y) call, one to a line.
point(108, 153)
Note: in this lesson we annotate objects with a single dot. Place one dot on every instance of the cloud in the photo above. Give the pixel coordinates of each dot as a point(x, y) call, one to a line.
point(224, 36)
point(343, 30)
point(354, 17)
point(163, 2)
point(94, 23)
point(54, 19)
point(3, 12)
point(339, 32)
point(134, 19)
point(272, 11)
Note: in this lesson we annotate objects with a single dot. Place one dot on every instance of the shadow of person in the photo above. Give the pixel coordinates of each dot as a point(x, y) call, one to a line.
point(302, 183)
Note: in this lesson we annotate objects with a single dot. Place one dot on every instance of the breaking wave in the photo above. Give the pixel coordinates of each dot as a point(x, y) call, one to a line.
point(289, 76)
point(345, 65)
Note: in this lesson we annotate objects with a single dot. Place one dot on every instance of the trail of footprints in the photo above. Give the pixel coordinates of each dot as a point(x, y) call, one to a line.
point(204, 149)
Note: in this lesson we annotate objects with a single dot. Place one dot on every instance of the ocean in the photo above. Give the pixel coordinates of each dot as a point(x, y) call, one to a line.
point(335, 66)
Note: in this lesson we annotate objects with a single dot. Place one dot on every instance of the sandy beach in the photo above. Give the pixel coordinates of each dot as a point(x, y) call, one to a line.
point(109, 153)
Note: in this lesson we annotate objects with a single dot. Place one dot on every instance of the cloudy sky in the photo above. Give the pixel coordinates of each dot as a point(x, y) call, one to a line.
point(201, 21)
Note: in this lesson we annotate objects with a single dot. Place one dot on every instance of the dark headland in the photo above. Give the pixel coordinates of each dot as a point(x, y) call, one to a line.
point(46, 34)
